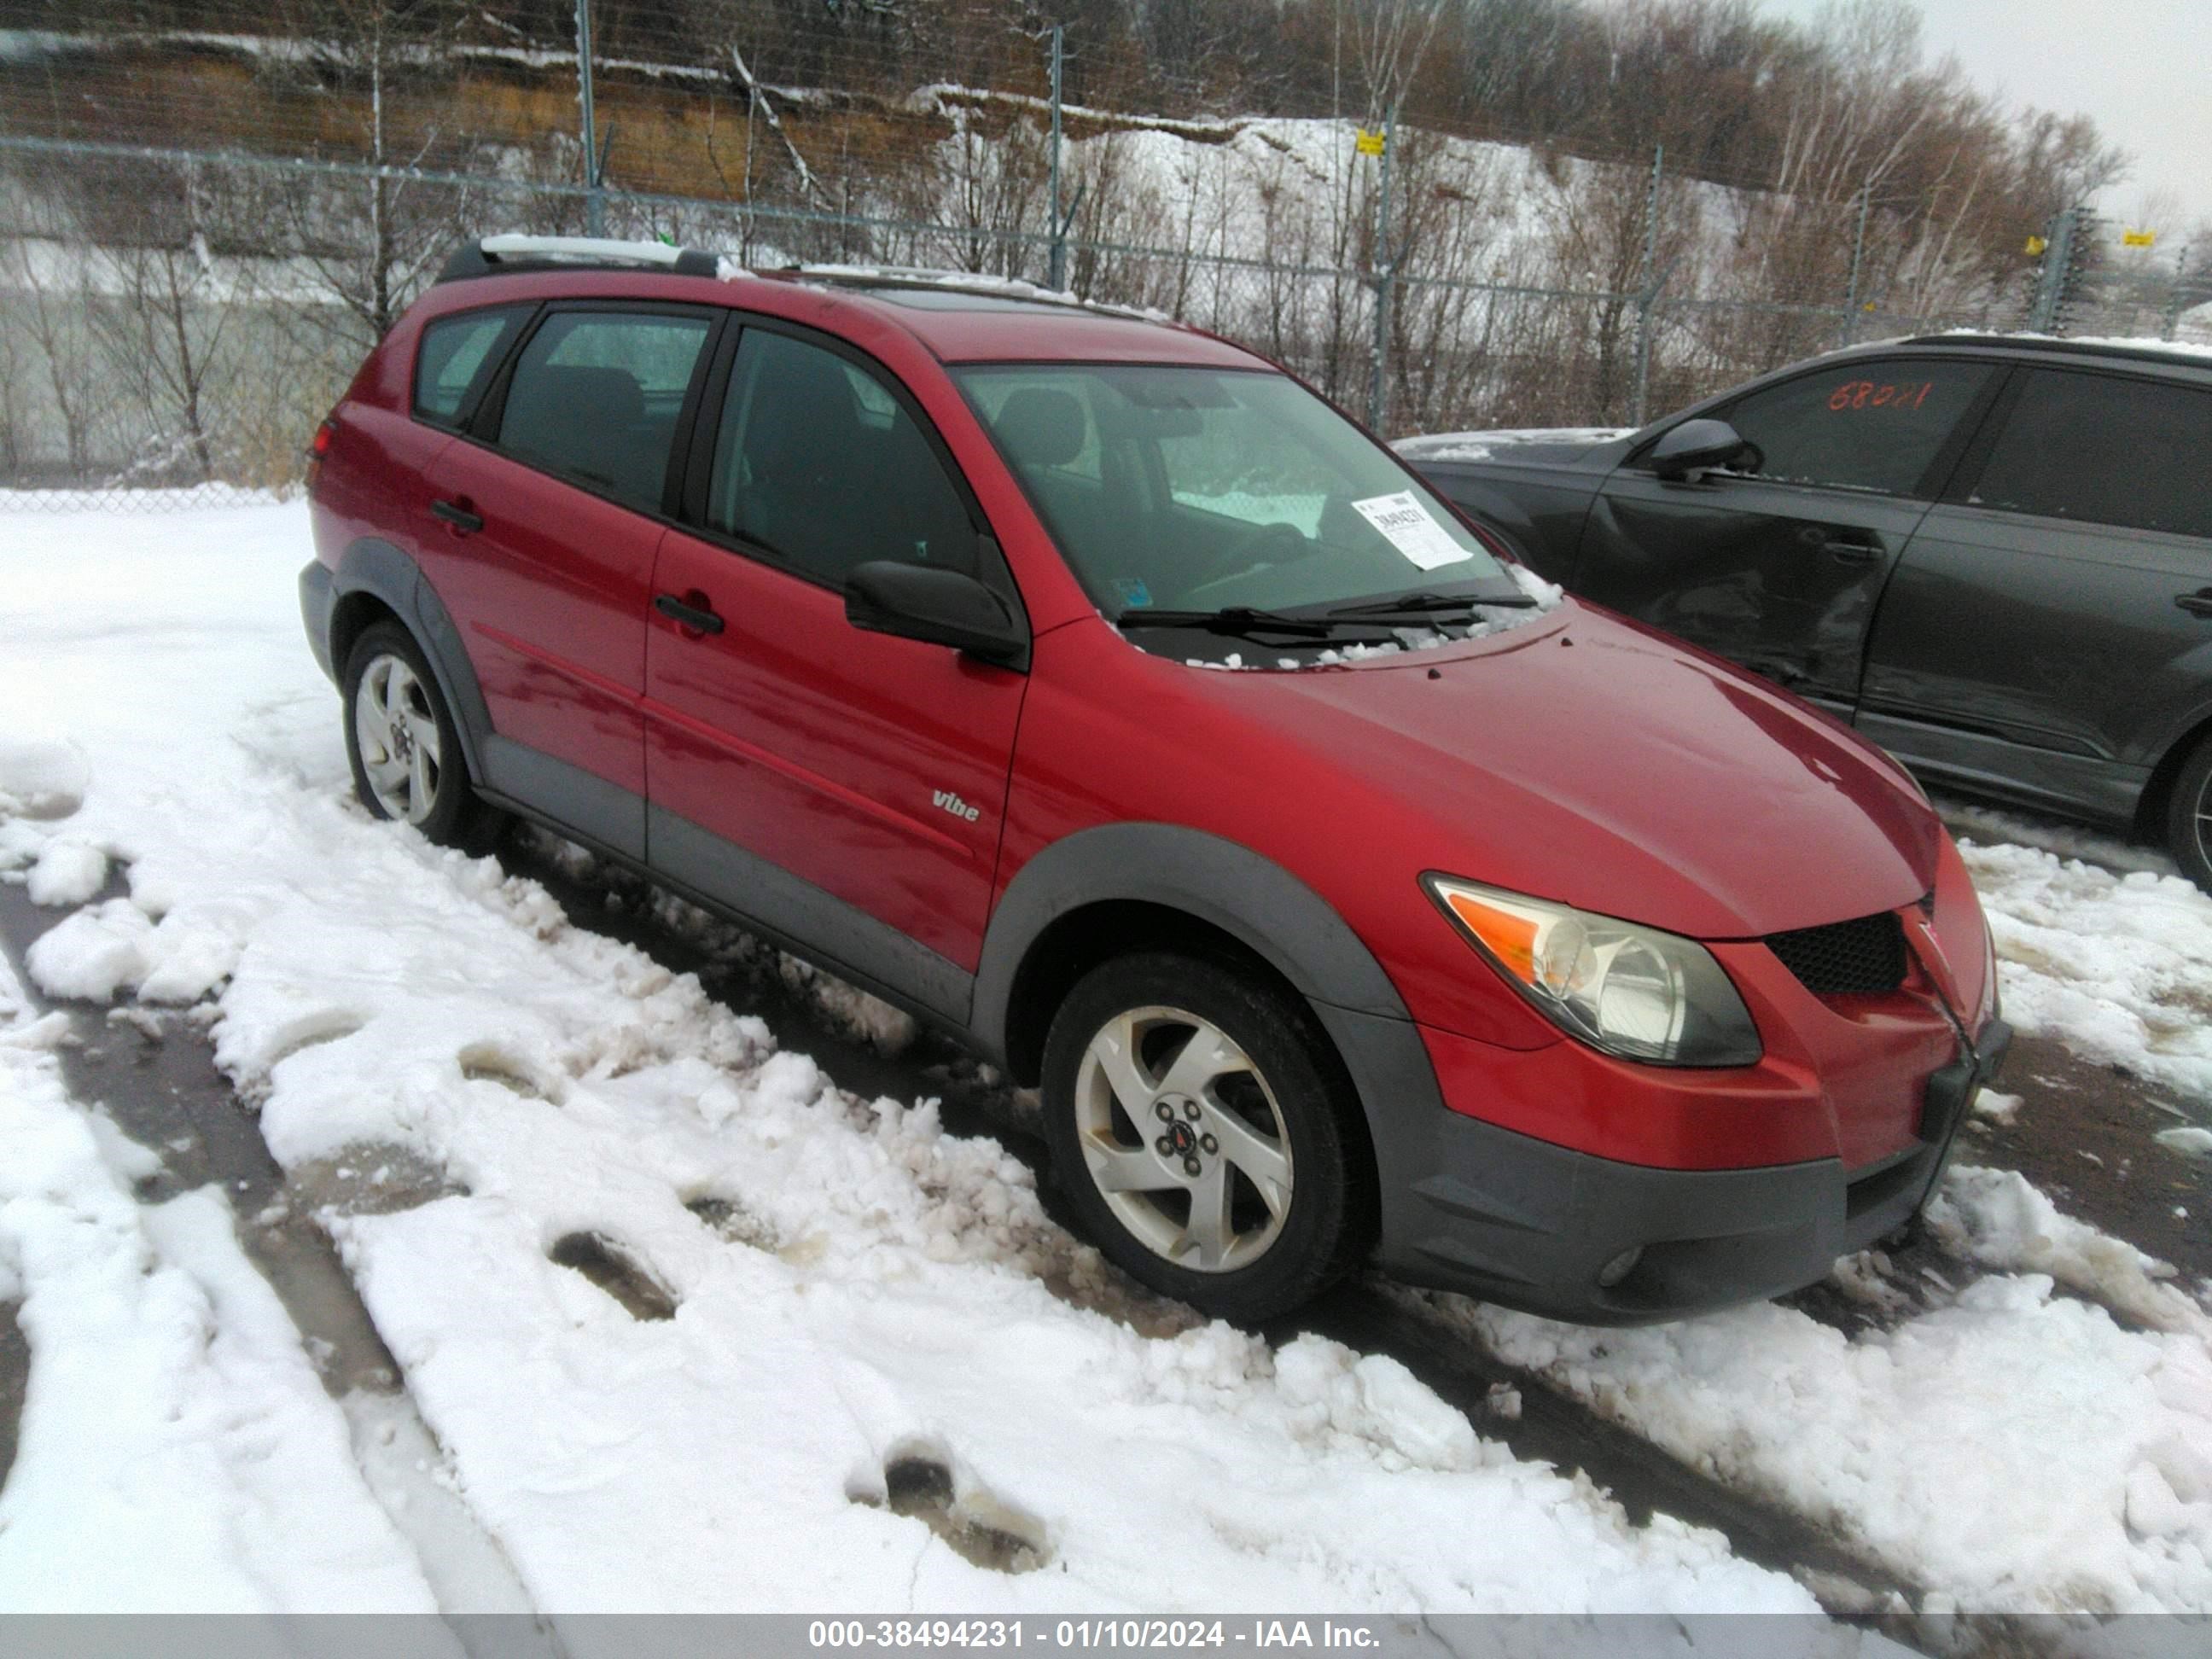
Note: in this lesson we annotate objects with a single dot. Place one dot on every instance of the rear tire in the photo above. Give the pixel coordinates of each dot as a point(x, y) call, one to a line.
point(1206, 1134)
point(404, 745)
point(2188, 815)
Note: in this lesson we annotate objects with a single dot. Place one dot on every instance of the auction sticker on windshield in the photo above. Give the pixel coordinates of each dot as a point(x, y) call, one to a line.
point(1407, 525)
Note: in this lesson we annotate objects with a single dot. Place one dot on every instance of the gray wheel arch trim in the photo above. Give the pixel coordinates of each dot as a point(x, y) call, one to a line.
point(386, 573)
point(1304, 937)
point(1204, 876)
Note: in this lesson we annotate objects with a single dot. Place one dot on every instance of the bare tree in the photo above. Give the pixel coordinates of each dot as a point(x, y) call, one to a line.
point(373, 242)
point(163, 333)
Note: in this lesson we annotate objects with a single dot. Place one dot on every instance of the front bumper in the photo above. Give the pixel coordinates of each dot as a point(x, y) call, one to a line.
point(1521, 1222)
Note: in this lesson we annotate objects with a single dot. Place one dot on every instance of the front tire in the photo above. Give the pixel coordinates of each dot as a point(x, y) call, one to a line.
point(404, 745)
point(1206, 1135)
point(2188, 815)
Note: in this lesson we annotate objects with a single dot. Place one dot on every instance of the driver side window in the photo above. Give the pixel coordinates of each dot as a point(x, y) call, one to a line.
point(1875, 427)
point(819, 465)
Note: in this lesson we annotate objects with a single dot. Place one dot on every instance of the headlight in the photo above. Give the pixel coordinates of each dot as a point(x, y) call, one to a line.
point(1631, 991)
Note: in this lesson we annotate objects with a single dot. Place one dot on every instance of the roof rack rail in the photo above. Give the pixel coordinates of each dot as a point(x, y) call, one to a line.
point(927, 278)
point(491, 254)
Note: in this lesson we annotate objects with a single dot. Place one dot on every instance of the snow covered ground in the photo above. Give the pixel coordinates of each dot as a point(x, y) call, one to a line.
point(691, 1326)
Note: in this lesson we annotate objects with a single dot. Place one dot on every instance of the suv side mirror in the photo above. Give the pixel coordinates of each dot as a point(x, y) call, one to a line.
point(1695, 446)
point(940, 606)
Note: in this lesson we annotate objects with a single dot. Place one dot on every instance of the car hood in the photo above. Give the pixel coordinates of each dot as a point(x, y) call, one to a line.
point(1590, 761)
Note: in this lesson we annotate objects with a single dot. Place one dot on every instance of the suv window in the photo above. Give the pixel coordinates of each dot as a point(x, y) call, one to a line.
point(595, 397)
point(1871, 426)
point(2105, 449)
point(457, 354)
point(817, 463)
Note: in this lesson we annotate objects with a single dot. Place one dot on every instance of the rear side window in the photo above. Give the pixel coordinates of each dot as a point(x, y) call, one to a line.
point(817, 463)
point(595, 397)
point(1875, 427)
point(456, 356)
point(2105, 449)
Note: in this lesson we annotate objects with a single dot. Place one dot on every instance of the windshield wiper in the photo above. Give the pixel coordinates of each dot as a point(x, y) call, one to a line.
point(1236, 619)
point(1423, 605)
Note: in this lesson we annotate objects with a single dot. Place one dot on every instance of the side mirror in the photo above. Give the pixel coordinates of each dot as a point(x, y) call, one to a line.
point(940, 606)
point(1695, 446)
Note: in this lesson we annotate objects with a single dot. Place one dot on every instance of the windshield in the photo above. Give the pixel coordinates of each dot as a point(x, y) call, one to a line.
point(1206, 490)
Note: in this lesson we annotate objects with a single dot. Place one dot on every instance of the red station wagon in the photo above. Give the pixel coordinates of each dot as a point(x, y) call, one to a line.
point(1097, 691)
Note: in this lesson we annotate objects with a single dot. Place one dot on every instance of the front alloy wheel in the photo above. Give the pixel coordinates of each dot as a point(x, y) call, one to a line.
point(1206, 1133)
point(1183, 1139)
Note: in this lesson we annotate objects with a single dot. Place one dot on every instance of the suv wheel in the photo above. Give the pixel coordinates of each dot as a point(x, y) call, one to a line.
point(2189, 816)
point(1202, 1130)
point(404, 745)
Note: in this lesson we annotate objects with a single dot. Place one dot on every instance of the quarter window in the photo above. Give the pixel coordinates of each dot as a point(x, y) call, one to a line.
point(458, 355)
point(818, 463)
point(2105, 449)
point(595, 398)
point(1874, 427)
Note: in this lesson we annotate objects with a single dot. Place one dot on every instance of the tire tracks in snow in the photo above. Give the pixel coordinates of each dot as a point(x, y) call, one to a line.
point(154, 1077)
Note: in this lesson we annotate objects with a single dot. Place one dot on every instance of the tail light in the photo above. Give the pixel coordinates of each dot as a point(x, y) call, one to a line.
point(320, 448)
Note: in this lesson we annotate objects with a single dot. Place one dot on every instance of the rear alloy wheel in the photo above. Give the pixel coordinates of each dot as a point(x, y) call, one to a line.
point(1204, 1135)
point(2188, 815)
point(401, 739)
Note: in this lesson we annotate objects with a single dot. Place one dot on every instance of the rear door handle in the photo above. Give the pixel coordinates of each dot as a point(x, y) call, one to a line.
point(696, 618)
point(2198, 604)
point(1850, 551)
point(459, 514)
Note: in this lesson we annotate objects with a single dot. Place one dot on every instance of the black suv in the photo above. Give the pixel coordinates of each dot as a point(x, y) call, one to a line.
point(1992, 556)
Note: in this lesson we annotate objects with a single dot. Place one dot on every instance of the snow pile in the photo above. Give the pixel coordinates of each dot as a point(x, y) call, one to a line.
point(40, 778)
point(177, 1449)
point(848, 1288)
point(68, 873)
point(1996, 1217)
point(2118, 965)
point(2016, 1450)
point(1981, 821)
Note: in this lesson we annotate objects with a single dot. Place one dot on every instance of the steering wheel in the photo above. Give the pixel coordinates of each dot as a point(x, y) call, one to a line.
point(1276, 543)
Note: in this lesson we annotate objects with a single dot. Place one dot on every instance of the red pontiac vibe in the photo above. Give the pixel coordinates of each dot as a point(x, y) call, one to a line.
point(1090, 688)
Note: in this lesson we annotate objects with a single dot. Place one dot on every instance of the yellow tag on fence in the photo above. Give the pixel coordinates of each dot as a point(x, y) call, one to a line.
point(1368, 144)
point(2138, 238)
point(2035, 245)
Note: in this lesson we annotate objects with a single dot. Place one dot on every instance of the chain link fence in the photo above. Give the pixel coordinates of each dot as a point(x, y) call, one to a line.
point(202, 234)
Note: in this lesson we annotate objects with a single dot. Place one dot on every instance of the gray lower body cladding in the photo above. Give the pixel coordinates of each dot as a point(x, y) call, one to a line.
point(1521, 1222)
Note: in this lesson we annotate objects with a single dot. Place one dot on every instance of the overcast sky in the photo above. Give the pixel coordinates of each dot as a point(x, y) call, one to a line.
point(2140, 69)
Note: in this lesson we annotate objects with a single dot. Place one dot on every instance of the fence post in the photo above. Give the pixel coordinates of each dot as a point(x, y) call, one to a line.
point(1386, 276)
point(1647, 297)
point(1858, 259)
point(1057, 277)
point(2051, 287)
point(2170, 325)
point(595, 206)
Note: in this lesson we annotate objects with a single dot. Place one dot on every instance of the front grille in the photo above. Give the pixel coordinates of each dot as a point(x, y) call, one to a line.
point(1846, 959)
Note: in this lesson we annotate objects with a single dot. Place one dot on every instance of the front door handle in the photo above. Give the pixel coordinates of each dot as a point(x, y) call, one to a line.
point(2198, 604)
point(1846, 550)
point(459, 514)
point(697, 618)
